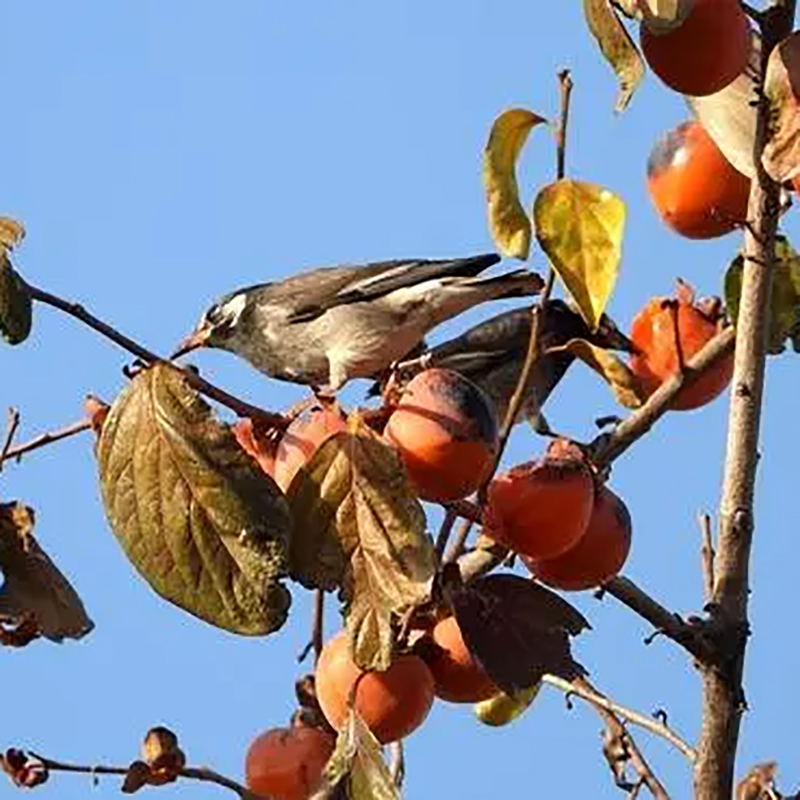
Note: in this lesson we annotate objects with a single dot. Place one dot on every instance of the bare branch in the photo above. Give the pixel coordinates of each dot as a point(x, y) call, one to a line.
point(450, 517)
point(566, 84)
point(240, 407)
point(707, 554)
point(44, 439)
point(13, 424)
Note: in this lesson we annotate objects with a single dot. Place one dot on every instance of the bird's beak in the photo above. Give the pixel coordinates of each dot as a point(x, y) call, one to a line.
point(198, 338)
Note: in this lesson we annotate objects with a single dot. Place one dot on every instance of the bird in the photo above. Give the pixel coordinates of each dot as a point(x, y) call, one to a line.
point(326, 326)
point(491, 354)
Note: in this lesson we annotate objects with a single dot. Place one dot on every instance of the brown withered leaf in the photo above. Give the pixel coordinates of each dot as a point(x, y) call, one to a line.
point(25, 770)
point(623, 383)
point(33, 587)
point(515, 628)
point(617, 46)
point(759, 783)
point(16, 306)
point(358, 760)
point(11, 233)
point(781, 156)
point(200, 522)
point(360, 527)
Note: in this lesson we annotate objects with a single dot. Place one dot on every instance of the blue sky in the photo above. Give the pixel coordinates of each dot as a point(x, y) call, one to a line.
point(161, 154)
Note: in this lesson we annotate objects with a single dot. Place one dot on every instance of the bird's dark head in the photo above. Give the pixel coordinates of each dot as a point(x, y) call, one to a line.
point(219, 326)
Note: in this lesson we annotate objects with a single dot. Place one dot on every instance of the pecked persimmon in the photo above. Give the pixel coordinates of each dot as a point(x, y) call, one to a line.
point(598, 556)
point(694, 188)
point(654, 336)
point(458, 677)
point(542, 508)
point(445, 431)
point(258, 443)
point(287, 763)
point(704, 50)
point(303, 437)
point(393, 703)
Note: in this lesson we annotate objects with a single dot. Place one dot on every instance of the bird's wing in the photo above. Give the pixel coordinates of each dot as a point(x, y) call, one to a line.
point(327, 288)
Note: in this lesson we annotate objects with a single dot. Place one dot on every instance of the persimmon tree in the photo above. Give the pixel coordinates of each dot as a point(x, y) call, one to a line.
point(219, 517)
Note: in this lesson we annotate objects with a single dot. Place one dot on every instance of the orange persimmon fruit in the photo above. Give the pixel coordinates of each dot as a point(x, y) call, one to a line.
point(445, 431)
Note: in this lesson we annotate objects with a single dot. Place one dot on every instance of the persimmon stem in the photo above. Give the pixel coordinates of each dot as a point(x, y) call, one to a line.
point(13, 425)
point(202, 774)
point(76, 310)
point(44, 439)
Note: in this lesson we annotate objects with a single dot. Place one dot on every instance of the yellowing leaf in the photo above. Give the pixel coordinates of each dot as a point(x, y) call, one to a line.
point(358, 759)
point(784, 300)
point(198, 519)
point(11, 232)
point(16, 306)
point(580, 227)
point(508, 222)
point(617, 46)
point(360, 527)
point(615, 372)
point(503, 708)
point(781, 157)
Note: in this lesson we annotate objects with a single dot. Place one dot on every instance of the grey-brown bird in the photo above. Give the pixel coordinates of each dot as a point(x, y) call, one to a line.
point(492, 353)
point(322, 328)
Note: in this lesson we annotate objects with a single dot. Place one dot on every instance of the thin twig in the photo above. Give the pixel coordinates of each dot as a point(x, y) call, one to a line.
point(316, 641)
point(202, 774)
point(583, 689)
point(397, 763)
point(44, 439)
point(13, 424)
point(565, 83)
point(609, 446)
point(459, 545)
point(240, 407)
point(450, 517)
point(707, 555)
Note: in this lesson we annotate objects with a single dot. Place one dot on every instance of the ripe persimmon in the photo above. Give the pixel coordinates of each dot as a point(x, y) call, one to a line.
point(694, 188)
point(393, 703)
point(654, 335)
point(598, 556)
point(458, 677)
point(541, 508)
point(303, 437)
point(445, 431)
point(258, 443)
point(287, 763)
point(707, 47)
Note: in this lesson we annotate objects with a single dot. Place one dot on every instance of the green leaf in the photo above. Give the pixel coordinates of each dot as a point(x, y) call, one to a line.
point(617, 47)
point(16, 307)
point(359, 760)
point(785, 298)
point(503, 708)
point(508, 222)
point(197, 518)
point(33, 586)
point(580, 226)
point(360, 527)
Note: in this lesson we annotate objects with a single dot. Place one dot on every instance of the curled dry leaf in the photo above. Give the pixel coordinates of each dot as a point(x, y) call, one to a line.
point(16, 306)
point(516, 629)
point(25, 770)
point(508, 222)
point(200, 522)
point(617, 754)
point(34, 590)
point(360, 527)
point(729, 116)
point(358, 759)
point(503, 708)
point(617, 47)
point(624, 384)
point(162, 753)
point(759, 783)
point(781, 157)
point(580, 226)
point(784, 299)
point(11, 233)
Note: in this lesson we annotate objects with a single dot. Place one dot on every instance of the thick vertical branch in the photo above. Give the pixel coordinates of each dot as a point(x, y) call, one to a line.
point(723, 696)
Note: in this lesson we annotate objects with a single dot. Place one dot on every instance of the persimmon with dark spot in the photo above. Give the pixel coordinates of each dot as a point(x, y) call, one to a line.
point(258, 442)
point(287, 763)
point(542, 508)
point(600, 553)
point(657, 339)
point(445, 431)
point(696, 191)
point(393, 703)
point(704, 50)
point(307, 432)
point(457, 676)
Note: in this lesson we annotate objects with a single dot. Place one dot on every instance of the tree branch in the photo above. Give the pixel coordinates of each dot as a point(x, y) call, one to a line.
point(240, 407)
point(723, 695)
point(44, 439)
point(13, 424)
